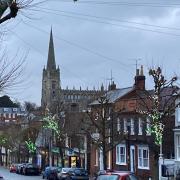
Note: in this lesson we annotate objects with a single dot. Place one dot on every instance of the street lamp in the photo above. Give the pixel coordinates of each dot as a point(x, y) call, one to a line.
point(128, 144)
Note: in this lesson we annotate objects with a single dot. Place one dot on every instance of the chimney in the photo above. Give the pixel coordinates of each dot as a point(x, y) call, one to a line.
point(140, 79)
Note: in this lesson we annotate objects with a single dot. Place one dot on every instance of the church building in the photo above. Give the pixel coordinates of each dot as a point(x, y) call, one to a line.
point(54, 97)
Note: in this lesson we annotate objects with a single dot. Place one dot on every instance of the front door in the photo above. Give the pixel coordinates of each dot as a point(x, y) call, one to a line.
point(132, 158)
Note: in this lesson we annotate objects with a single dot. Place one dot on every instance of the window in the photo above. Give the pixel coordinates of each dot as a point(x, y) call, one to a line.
point(132, 126)
point(140, 127)
point(148, 126)
point(53, 84)
point(143, 157)
point(125, 125)
point(118, 125)
point(178, 114)
point(178, 146)
point(15, 109)
point(121, 154)
point(6, 109)
point(22, 109)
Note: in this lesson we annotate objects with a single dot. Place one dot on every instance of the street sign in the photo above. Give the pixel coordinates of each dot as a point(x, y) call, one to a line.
point(55, 150)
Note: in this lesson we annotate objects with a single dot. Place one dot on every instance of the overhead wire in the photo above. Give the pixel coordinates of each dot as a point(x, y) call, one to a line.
point(108, 18)
point(80, 47)
point(117, 25)
point(124, 3)
point(111, 19)
point(38, 51)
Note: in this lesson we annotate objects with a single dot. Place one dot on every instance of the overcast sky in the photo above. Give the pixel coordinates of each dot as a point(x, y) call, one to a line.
point(93, 38)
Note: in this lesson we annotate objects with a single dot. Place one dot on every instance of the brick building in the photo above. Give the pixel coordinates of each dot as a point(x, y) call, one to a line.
point(135, 150)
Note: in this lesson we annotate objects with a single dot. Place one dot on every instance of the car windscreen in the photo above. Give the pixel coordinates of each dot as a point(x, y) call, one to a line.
point(108, 177)
point(65, 170)
point(132, 177)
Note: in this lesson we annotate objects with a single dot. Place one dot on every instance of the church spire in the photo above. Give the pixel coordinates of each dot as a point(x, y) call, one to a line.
point(51, 64)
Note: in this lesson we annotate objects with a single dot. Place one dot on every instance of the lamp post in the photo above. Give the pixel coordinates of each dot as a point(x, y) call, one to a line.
point(128, 145)
point(112, 139)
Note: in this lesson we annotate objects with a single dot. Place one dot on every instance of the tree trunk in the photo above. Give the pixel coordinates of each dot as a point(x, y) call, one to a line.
point(62, 157)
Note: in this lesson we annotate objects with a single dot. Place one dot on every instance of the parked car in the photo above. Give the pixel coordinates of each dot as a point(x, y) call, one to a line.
point(30, 169)
point(51, 173)
point(77, 173)
point(1, 177)
point(116, 175)
point(63, 173)
point(19, 168)
point(13, 167)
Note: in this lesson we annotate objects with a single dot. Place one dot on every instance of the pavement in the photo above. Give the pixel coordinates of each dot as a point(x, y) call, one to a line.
point(13, 176)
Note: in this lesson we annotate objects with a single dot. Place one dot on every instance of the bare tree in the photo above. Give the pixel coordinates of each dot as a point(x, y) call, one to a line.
point(14, 7)
point(11, 72)
point(101, 128)
point(158, 104)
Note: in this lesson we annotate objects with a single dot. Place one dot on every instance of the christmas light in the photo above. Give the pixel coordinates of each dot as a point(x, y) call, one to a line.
point(31, 146)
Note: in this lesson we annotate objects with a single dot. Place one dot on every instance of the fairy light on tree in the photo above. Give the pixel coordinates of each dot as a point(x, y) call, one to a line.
point(159, 107)
point(3, 140)
point(51, 123)
point(31, 146)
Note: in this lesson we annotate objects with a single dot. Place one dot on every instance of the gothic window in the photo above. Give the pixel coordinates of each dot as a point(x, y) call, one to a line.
point(53, 84)
point(53, 94)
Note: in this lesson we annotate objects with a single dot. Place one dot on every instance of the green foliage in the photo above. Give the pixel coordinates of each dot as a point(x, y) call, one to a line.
point(31, 146)
point(5, 101)
point(3, 140)
point(51, 123)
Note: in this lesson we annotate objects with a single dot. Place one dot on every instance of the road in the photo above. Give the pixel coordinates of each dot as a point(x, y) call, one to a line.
point(13, 176)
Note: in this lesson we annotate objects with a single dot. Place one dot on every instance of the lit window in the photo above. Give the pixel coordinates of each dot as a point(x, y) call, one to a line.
point(143, 157)
point(121, 154)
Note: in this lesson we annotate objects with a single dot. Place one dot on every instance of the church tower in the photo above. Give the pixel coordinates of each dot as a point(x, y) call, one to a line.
point(51, 81)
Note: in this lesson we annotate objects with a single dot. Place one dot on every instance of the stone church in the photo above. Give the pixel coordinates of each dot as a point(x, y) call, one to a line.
point(54, 97)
